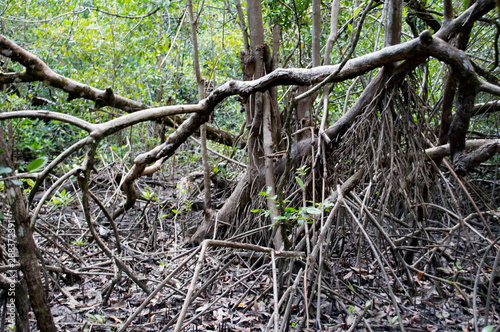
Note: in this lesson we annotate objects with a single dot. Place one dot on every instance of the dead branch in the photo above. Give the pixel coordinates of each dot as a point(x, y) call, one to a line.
point(444, 150)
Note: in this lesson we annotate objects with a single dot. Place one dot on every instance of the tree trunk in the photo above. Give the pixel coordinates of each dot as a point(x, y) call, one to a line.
point(26, 245)
point(203, 129)
point(259, 115)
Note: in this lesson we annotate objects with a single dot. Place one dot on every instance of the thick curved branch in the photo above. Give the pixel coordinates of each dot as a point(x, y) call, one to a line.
point(468, 17)
point(470, 161)
point(47, 115)
point(447, 11)
point(444, 150)
point(486, 108)
point(39, 71)
point(445, 33)
point(425, 45)
point(456, 58)
point(8, 78)
point(422, 13)
point(122, 122)
point(484, 149)
point(490, 88)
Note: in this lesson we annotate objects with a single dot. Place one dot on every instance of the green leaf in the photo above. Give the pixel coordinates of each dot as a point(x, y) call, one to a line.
point(299, 181)
point(313, 210)
point(5, 170)
point(356, 12)
point(16, 182)
point(37, 164)
point(488, 328)
point(255, 210)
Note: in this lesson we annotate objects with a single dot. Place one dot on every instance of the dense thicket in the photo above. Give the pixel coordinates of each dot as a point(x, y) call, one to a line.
point(343, 156)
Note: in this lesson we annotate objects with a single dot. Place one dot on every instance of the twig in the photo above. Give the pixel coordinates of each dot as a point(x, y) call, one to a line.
point(224, 293)
point(476, 282)
point(46, 195)
point(275, 291)
point(289, 292)
point(217, 243)
point(382, 269)
point(359, 318)
point(221, 155)
point(157, 289)
point(490, 288)
point(110, 219)
point(306, 304)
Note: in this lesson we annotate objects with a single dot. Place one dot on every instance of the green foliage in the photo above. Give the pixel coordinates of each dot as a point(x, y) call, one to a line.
point(37, 164)
point(150, 196)
point(79, 242)
point(130, 55)
point(185, 207)
point(291, 215)
point(16, 182)
point(38, 138)
point(393, 320)
point(5, 170)
point(162, 266)
point(99, 319)
point(61, 199)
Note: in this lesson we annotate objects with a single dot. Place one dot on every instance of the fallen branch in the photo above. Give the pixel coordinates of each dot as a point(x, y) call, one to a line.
point(236, 245)
point(478, 144)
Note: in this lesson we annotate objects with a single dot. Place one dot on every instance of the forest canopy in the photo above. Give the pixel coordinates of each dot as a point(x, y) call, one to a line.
point(336, 161)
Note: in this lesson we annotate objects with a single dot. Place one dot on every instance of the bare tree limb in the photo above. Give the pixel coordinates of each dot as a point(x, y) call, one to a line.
point(447, 11)
point(39, 71)
point(444, 150)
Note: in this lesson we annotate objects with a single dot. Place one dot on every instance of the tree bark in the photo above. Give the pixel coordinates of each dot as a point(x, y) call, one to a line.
point(316, 32)
point(26, 245)
point(207, 202)
point(393, 23)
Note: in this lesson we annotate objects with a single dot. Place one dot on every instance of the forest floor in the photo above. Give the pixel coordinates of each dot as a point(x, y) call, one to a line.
point(236, 286)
